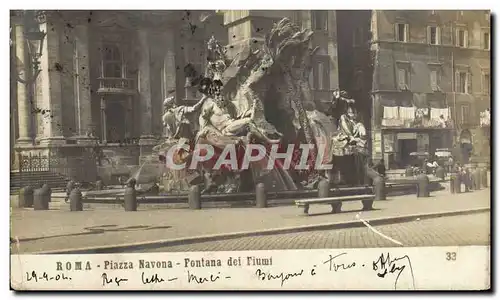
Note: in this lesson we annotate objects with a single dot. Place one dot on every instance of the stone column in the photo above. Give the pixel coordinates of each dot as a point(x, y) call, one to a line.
point(104, 130)
point(49, 84)
point(147, 140)
point(82, 72)
point(129, 118)
point(23, 101)
point(169, 69)
point(145, 85)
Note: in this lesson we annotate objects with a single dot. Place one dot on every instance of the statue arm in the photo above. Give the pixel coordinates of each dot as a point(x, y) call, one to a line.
point(196, 107)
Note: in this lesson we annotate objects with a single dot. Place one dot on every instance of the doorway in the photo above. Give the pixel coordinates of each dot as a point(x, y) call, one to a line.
point(116, 122)
point(406, 147)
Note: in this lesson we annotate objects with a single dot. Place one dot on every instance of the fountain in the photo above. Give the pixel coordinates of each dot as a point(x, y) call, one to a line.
point(261, 97)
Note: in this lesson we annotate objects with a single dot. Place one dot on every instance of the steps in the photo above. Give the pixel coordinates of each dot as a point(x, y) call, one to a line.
point(21, 179)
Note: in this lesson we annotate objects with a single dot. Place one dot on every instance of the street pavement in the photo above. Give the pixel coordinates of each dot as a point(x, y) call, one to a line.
point(60, 229)
point(471, 229)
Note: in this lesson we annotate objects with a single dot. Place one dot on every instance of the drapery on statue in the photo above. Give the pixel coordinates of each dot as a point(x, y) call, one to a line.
point(263, 96)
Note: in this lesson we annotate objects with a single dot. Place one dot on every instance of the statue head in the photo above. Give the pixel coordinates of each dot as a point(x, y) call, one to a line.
point(205, 86)
point(169, 102)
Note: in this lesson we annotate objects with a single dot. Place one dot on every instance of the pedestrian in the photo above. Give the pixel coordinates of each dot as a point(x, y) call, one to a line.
point(69, 187)
point(450, 164)
point(380, 167)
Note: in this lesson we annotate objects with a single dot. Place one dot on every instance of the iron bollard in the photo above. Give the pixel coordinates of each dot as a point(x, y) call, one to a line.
point(323, 188)
point(484, 177)
point(379, 188)
point(40, 199)
point(130, 198)
point(99, 185)
point(48, 192)
point(440, 172)
point(260, 195)
point(423, 186)
point(75, 200)
point(26, 197)
point(194, 197)
point(453, 178)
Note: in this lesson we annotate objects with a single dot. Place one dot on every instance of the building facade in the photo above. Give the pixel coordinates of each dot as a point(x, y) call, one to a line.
point(431, 80)
point(104, 74)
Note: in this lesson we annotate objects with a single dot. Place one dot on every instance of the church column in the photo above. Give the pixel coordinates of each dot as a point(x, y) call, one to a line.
point(82, 70)
point(104, 130)
point(145, 85)
point(49, 84)
point(169, 67)
point(23, 101)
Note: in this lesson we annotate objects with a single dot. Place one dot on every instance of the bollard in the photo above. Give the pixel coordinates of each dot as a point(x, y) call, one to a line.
point(423, 186)
point(48, 192)
point(409, 172)
point(99, 185)
point(323, 188)
point(440, 172)
point(484, 177)
point(75, 200)
point(130, 198)
point(40, 199)
point(260, 195)
point(194, 197)
point(379, 188)
point(453, 177)
point(26, 197)
point(477, 179)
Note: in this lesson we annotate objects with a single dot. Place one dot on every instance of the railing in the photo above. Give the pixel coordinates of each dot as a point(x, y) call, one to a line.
point(116, 83)
point(78, 167)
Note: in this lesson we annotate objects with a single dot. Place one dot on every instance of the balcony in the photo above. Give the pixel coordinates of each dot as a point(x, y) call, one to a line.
point(113, 85)
point(413, 123)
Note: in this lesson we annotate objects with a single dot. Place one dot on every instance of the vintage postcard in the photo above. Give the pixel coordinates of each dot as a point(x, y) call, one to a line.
point(250, 150)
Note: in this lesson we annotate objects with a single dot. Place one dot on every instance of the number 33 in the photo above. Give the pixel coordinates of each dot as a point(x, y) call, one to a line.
point(451, 256)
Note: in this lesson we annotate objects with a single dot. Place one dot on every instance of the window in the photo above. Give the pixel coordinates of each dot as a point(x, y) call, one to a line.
point(321, 73)
point(402, 32)
point(486, 83)
point(462, 38)
point(433, 37)
point(358, 37)
point(320, 20)
point(403, 78)
point(463, 82)
point(112, 61)
point(465, 114)
point(435, 80)
point(486, 40)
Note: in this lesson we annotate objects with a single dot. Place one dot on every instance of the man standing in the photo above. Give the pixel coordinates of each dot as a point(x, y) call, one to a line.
point(380, 167)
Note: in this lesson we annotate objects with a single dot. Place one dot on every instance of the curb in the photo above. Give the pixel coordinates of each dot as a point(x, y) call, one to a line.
point(224, 236)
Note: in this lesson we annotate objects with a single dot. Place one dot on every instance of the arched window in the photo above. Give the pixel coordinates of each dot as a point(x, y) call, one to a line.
point(112, 61)
point(321, 71)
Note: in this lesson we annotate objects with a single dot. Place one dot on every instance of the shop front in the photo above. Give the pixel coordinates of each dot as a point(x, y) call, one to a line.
point(406, 146)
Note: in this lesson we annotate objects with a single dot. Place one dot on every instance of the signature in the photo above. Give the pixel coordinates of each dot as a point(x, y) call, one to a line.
point(106, 280)
point(282, 276)
point(337, 267)
point(384, 265)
